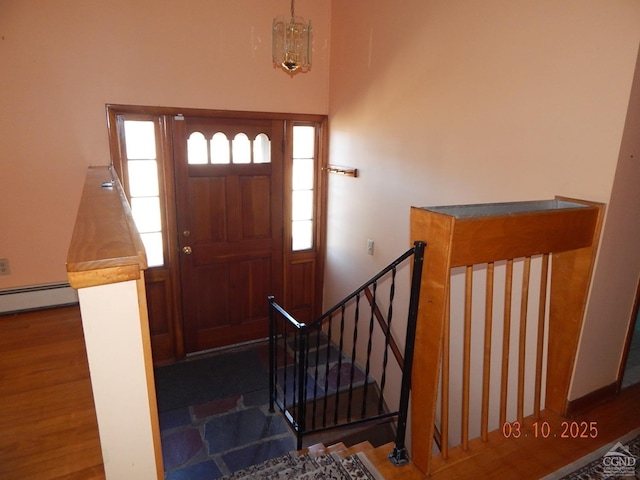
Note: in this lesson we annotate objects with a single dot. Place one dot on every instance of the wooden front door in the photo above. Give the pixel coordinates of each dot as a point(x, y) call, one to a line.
point(229, 196)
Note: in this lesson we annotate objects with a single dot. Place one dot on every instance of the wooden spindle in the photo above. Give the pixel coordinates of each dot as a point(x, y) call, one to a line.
point(542, 311)
point(444, 427)
point(523, 335)
point(486, 374)
point(466, 361)
point(506, 339)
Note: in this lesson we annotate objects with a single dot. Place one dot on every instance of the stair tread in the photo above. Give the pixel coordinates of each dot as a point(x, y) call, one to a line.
point(361, 447)
point(315, 449)
point(335, 461)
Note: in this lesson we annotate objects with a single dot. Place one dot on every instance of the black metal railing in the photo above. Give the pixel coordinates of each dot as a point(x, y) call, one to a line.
point(314, 377)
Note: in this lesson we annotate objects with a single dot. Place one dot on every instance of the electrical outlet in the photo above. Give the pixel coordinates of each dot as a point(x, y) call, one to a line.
point(4, 266)
point(369, 247)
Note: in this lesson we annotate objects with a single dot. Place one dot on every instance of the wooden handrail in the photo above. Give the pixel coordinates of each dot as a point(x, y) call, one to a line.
point(105, 245)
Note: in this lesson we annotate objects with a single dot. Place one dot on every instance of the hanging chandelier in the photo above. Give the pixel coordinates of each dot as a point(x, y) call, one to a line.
point(291, 43)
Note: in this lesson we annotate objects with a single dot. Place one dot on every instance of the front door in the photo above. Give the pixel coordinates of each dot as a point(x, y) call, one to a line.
point(229, 197)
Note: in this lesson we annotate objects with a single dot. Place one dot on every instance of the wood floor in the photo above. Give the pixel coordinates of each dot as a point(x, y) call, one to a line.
point(530, 458)
point(48, 427)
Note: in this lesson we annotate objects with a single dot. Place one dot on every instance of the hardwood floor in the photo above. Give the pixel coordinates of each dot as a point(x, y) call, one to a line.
point(48, 427)
point(529, 458)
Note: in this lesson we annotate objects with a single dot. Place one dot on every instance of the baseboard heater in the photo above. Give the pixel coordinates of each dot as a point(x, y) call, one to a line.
point(37, 297)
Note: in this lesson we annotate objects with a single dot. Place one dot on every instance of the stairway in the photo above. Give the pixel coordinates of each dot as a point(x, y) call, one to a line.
point(316, 462)
point(339, 401)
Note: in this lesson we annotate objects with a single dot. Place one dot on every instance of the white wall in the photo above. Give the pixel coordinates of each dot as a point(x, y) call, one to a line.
point(450, 101)
point(116, 331)
point(616, 277)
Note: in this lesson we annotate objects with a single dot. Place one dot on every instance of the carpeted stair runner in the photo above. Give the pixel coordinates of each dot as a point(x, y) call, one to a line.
point(309, 466)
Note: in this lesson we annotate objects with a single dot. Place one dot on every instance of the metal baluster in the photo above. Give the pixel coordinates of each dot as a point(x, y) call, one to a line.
point(387, 337)
point(302, 384)
point(315, 376)
point(285, 340)
point(272, 355)
point(353, 352)
point(369, 347)
point(326, 377)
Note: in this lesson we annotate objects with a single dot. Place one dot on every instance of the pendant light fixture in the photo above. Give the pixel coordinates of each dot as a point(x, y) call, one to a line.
point(291, 43)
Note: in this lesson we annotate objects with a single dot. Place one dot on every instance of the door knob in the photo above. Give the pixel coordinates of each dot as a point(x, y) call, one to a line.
point(186, 250)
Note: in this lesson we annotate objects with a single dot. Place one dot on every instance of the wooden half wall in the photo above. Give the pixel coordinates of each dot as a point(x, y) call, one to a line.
point(106, 263)
point(565, 230)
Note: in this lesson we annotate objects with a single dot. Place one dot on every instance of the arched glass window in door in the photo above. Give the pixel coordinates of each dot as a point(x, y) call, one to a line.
point(261, 149)
point(220, 149)
point(241, 149)
point(197, 149)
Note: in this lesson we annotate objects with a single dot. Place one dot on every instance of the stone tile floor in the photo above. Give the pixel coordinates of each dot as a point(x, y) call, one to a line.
point(213, 439)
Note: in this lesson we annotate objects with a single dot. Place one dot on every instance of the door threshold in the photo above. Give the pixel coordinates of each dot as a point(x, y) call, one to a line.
point(225, 348)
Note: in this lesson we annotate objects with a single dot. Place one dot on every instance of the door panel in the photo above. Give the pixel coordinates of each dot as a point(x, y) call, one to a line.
point(301, 301)
point(230, 218)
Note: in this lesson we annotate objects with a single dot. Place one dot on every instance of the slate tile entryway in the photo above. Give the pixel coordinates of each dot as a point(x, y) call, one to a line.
point(228, 427)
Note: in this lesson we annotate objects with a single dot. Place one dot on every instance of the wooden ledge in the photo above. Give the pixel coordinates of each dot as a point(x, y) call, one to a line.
point(105, 245)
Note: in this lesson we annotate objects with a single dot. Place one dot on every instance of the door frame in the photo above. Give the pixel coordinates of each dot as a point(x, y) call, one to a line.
point(628, 339)
point(170, 272)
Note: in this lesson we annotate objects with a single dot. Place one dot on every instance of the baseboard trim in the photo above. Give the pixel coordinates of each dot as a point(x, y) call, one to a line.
point(591, 400)
point(36, 298)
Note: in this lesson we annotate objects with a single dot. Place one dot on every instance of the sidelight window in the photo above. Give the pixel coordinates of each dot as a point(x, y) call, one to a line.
point(302, 187)
point(144, 192)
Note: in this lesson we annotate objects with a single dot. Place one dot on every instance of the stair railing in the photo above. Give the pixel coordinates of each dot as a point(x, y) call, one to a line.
point(317, 385)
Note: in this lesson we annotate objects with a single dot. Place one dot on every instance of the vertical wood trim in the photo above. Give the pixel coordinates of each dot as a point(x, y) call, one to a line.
point(542, 308)
point(486, 374)
point(466, 355)
point(286, 152)
point(436, 231)
point(444, 408)
point(148, 370)
point(321, 213)
point(172, 232)
point(506, 339)
point(523, 336)
point(628, 338)
point(571, 273)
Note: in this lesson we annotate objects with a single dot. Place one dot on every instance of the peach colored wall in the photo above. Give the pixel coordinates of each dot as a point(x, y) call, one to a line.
point(449, 101)
point(618, 271)
point(63, 61)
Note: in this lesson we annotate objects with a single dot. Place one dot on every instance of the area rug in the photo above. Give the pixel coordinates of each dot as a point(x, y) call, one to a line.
point(223, 375)
point(308, 467)
point(619, 460)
